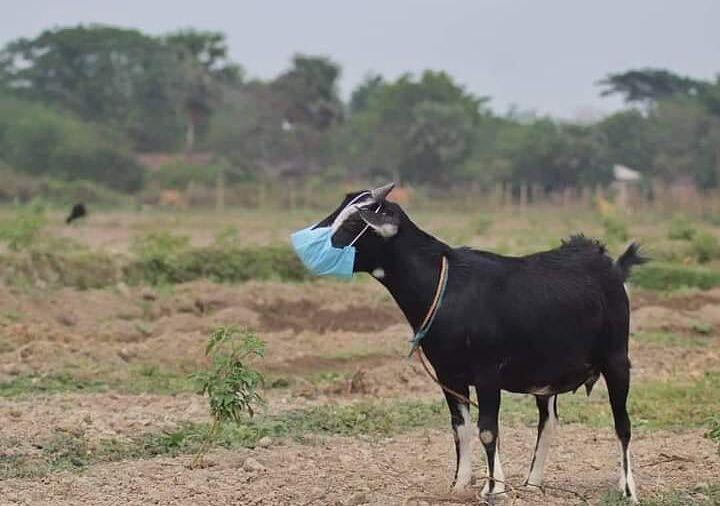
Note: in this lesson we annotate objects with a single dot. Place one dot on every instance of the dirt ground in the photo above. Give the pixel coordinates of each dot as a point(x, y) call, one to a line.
point(310, 330)
point(411, 469)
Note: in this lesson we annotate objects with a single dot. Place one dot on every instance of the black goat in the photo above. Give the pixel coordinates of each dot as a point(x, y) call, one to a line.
point(77, 211)
point(542, 324)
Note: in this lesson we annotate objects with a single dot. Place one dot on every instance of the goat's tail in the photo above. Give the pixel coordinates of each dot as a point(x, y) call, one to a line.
point(627, 260)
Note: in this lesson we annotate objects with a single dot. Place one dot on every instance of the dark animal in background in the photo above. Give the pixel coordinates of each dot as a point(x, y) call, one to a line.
point(542, 324)
point(77, 211)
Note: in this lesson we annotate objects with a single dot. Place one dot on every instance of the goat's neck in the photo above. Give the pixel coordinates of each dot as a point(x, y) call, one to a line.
point(411, 266)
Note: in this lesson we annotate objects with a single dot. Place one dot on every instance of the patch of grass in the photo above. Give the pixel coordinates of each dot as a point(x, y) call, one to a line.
point(705, 247)
point(616, 230)
point(673, 339)
point(661, 276)
point(151, 379)
point(676, 403)
point(482, 224)
point(23, 229)
point(699, 496)
point(141, 379)
point(55, 383)
point(681, 229)
point(653, 405)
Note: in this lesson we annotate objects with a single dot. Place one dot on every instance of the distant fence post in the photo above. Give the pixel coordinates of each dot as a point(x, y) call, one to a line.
point(507, 195)
point(220, 191)
point(497, 197)
point(523, 196)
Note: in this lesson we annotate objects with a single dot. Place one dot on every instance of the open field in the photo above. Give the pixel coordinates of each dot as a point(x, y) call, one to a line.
point(96, 406)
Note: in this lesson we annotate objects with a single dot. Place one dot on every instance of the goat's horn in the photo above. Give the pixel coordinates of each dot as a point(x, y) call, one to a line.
point(379, 194)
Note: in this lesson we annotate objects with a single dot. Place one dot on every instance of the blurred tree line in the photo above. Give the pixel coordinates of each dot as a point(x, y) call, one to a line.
point(80, 102)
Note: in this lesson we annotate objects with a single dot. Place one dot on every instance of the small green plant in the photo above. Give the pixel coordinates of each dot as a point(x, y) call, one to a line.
point(681, 228)
point(230, 383)
point(714, 432)
point(705, 247)
point(227, 237)
point(23, 229)
point(159, 245)
point(703, 328)
point(615, 229)
point(482, 224)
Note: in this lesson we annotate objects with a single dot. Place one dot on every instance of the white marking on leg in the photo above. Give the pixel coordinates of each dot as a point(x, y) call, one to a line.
point(538, 464)
point(498, 475)
point(627, 481)
point(465, 437)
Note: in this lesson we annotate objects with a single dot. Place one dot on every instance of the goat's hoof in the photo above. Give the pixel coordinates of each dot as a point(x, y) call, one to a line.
point(631, 497)
point(461, 492)
point(529, 484)
point(498, 491)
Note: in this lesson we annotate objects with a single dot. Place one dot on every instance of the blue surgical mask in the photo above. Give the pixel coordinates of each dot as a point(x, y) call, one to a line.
point(314, 248)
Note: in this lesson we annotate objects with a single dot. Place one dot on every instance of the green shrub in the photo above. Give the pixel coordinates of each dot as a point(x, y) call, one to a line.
point(227, 237)
point(659, 276)
point(160, 258)
point(681, 228)
point(230, 383)
point(22, 230)
point(235, 264)
point(705, 247)
point(615, 229)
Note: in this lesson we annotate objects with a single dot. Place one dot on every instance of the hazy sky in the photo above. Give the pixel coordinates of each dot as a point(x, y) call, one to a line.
point(541, 55)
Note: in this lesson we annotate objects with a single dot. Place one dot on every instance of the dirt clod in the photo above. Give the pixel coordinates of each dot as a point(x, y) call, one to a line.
point(251, 465)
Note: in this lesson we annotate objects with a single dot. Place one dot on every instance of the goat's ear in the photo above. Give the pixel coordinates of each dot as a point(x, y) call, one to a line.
point(385, 225)
point(379, 194)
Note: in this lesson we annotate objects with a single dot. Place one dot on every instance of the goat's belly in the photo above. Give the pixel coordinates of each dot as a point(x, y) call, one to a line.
point(546, 382)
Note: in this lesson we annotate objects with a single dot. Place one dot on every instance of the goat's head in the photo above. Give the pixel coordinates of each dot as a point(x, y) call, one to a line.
point(366, 220)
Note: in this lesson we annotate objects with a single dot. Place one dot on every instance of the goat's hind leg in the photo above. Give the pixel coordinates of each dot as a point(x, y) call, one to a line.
point(547, 422)
point(461, 423)
point(489, 401)
point(617, 377)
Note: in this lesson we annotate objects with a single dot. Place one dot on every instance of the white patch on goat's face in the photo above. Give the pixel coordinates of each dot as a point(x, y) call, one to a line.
point(543, 443)
point(378, 273)
point(386, 230)
point(465, 437)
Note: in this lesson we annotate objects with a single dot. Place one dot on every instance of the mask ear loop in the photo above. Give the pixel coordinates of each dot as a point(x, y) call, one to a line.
point(377, 210)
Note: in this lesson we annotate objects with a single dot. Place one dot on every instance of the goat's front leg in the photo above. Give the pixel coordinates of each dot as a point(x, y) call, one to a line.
point(489, 401)
point(547, 421)
point(463, 435)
